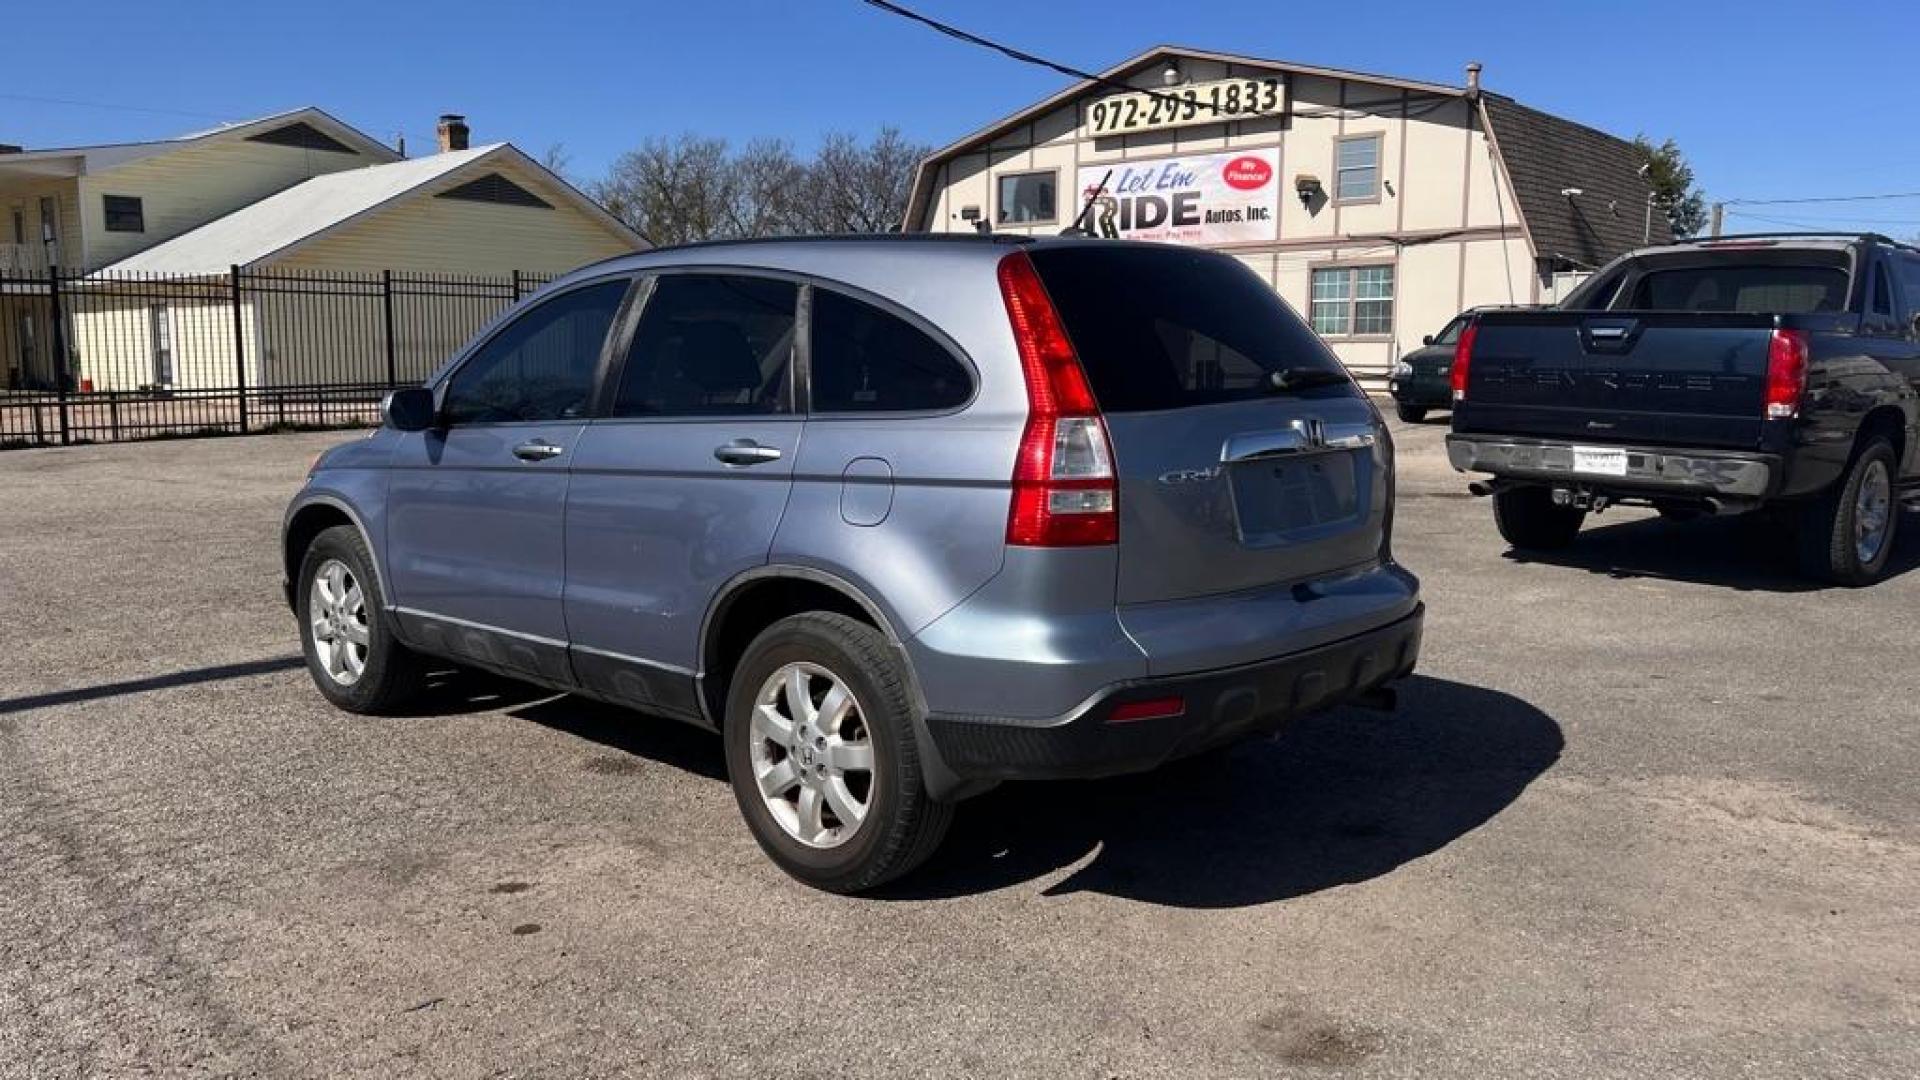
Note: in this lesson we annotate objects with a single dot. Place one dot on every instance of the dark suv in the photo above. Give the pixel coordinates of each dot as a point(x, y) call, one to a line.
point(901, 518)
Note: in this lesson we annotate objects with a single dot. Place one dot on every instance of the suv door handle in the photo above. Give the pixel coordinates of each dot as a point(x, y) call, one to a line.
point(537, 450)
point(746, 452)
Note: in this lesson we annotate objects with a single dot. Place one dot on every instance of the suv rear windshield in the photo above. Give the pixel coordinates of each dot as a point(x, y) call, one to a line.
point(1161, 328)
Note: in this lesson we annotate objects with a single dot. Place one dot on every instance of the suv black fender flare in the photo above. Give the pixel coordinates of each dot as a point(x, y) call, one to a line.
point(942, 782)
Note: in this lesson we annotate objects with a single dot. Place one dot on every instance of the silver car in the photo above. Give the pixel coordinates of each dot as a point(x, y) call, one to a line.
point(899, 517)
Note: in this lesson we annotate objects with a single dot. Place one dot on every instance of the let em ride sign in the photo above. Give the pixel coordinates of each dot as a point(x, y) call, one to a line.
point(1179, 106)
point(1191, 199)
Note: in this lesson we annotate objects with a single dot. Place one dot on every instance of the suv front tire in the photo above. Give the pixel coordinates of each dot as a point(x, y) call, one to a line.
point(351, 651)
point(821, 754)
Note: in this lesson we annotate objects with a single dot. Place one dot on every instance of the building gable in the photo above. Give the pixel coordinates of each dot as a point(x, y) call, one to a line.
point(494, 188)
point(302, 135)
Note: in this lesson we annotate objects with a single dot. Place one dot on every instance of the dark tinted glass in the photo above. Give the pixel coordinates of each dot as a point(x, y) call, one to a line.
point(1910, 283)
point(1451, 334)
point(540, 367)
point(1770, 290)
point(1159, 328)
point(869, 360)
point(711, 345)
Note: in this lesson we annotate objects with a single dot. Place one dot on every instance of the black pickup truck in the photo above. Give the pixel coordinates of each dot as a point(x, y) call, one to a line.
point(1719, 376)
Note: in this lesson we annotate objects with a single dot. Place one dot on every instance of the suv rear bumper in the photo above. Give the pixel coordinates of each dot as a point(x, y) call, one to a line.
point(1220, 706)
point(1648, 469)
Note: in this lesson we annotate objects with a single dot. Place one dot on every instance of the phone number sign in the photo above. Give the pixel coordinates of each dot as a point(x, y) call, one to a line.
point(1179, 106)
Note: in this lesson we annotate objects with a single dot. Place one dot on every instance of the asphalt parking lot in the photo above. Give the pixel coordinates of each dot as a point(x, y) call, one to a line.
point(1647, 810)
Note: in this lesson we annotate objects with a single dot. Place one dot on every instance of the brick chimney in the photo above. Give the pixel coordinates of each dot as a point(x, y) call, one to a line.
point(452, 131)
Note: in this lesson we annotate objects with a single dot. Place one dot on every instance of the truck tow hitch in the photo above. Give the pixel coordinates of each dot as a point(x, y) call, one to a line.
point(1581, 499)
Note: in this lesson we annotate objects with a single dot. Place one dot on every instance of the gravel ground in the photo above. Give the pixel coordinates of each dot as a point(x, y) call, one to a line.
point(1647, 810)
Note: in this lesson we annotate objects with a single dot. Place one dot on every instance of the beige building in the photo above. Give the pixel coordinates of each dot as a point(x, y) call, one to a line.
point(1377, 207)
point(299, 196)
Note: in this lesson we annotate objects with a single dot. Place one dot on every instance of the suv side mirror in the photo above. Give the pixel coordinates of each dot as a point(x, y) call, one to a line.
point(1428, 340)
point(409, 408)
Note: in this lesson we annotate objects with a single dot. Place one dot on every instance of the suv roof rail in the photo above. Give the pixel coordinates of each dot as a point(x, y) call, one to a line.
point(1831, 234)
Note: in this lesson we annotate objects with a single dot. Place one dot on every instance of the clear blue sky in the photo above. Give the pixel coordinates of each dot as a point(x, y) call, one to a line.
point(1768, 99)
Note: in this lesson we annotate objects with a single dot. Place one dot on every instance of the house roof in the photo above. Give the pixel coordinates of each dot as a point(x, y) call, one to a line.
point(1543, 154)
point(317, 206)
point(81, 160)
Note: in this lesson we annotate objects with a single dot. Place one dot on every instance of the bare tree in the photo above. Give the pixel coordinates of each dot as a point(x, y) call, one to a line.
point(851, 188)
point(695, 188)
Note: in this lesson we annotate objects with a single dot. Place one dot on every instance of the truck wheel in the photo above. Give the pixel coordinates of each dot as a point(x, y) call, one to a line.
point(1412, 414)
point(1529, 519)
point(350, 650)
point(1846, 535)
point(821, 754)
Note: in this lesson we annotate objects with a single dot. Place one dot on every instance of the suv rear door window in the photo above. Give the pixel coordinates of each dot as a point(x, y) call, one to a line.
point(865, 359)
point(1161, 328)
point(711, 345)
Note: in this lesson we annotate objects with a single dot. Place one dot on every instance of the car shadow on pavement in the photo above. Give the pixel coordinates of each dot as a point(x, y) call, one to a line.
point(1747, 553)
point(1333, 799)
point(634, 735)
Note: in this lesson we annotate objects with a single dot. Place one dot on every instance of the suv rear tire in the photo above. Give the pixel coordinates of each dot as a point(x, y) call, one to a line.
point(847, 751)
point(1412, 414)
point(1529, 519)
point(1847, 534)
point(351, 651)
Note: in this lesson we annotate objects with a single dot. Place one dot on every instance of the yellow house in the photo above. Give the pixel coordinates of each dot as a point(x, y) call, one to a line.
point(1377, 206)
point(316, 216)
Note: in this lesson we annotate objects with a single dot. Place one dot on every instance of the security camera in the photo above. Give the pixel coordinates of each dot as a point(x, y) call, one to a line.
point(1646, 167)
point(1572, 192)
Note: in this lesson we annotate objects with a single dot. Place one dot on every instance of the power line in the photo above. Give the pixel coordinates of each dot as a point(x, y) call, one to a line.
point(1823, 199)
point(109, 105)
point(1025, 57)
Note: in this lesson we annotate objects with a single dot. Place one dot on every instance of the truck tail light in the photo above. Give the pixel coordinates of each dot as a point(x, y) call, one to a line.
point(1064, 491)
point(1463, 359)
point(1786, 373)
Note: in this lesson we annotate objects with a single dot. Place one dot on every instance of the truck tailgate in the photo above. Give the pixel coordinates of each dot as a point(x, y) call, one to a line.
point(1693, 379)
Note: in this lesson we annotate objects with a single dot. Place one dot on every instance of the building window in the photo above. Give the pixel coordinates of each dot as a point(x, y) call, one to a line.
point(1352, 300)
point(1357, 172)
point(124, 213)
point(1027, 199)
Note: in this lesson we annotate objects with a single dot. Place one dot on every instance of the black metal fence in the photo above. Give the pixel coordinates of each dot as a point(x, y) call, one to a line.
point(92, 357)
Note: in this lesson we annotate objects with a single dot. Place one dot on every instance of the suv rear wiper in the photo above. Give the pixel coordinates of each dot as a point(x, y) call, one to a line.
point(1301, 378)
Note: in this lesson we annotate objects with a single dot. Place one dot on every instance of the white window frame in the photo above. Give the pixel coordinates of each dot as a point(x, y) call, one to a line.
point(1001, 178)
point(1379, 141)
point(1349, 300)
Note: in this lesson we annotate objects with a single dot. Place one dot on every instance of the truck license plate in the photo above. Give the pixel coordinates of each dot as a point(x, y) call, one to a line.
point(1600, 461)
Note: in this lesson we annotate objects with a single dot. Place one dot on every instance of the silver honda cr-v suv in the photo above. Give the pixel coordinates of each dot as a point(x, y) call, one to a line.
point(900, 517)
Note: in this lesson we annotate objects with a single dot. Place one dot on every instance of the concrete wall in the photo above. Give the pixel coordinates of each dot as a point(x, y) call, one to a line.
point(1445, 219)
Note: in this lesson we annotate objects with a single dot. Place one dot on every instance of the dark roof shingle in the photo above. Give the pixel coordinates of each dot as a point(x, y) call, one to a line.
point(1545, 155)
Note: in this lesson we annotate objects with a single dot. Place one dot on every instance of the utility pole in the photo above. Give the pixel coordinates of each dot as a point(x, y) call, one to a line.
point(1719, 211)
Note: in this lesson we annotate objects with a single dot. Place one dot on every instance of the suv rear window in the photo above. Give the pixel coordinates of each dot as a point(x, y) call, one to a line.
point(1161, 328)
point(1778, 289)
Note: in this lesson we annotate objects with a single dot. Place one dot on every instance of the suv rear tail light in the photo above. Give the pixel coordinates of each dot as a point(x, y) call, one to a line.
point(1463, 358)
point(1786, 373)
point(1064, 493)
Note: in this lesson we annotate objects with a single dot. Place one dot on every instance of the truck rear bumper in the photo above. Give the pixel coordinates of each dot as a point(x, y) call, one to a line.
point(1184, 713)
point(1649, 470)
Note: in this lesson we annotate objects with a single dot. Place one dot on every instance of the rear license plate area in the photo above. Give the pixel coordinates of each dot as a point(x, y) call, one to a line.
point(1294, 496)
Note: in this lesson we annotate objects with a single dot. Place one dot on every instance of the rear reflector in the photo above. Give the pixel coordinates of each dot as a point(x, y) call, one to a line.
point(1786, 373)
point(1150, 709)
point(1463, 359)
point(1064, 492)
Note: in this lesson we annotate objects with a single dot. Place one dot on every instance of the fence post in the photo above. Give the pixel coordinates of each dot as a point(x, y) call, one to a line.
point(63, 368)
point(516, 286)
point(386, 293)
point(239, 345)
